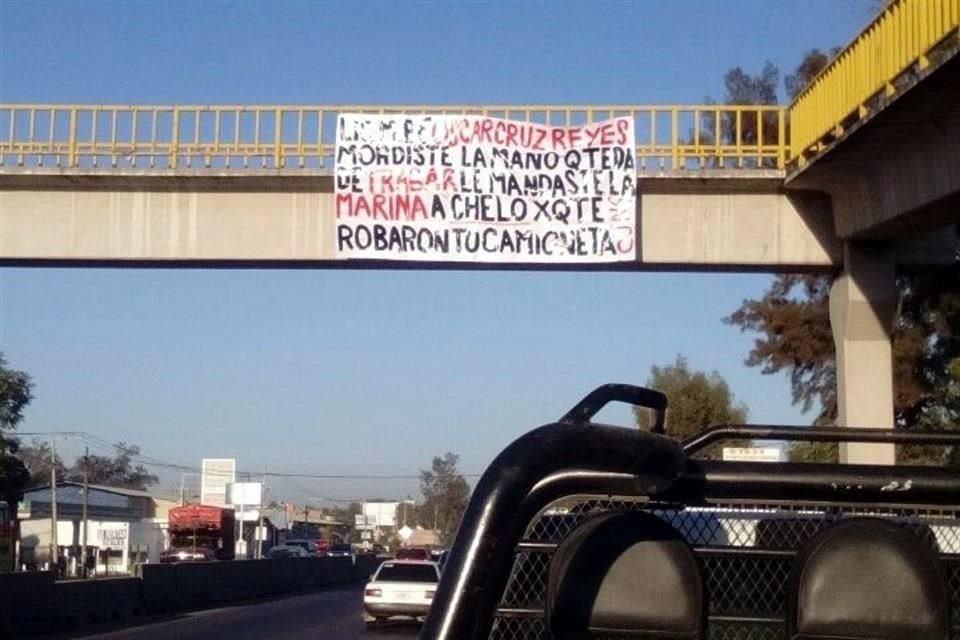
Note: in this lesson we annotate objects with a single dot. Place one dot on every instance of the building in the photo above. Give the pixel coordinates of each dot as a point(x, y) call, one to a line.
point(313, 523)
point(423, 538)
point(124, 527)
point(377, 521)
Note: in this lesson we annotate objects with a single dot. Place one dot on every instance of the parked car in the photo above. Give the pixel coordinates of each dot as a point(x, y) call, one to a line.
point(309, 545)
point(413, 553)
point(288, 551)
point(323, 547)
point(399, 588)
point(342, 550)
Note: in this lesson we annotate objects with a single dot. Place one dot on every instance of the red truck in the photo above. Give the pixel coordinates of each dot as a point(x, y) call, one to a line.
point(199, 533)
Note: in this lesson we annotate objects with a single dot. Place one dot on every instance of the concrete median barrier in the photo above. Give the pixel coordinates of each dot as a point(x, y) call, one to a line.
point(120, 598)
point(26, 602)
point(33, 602)
point(159, 587)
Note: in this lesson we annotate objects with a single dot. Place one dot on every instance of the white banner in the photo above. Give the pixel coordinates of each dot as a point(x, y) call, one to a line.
point(451, 188)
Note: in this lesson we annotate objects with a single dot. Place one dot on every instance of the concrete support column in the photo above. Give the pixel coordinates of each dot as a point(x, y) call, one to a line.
point(862, 309)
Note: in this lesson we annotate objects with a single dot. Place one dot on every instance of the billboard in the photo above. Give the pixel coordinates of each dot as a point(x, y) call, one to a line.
point(244, 493)
point(216, 474)
point(245, 498)
point(469, 188)
point(380, 514)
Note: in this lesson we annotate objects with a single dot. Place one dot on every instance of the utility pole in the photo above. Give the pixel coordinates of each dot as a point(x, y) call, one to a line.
point(240, 541)
point(183, 487)
point(259, 534)
point(86, 502)
point(54, 548)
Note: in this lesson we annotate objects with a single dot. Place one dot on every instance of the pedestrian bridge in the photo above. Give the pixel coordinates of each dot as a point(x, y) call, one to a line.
point(867, 150)
point(859, 175)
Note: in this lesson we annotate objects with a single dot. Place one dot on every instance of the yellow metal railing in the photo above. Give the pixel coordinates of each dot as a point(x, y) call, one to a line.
point(104, 138)
point(902, 36)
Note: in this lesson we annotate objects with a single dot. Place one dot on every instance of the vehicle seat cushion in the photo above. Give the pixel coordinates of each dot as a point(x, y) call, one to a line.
point(625, 573)
point(868, 578)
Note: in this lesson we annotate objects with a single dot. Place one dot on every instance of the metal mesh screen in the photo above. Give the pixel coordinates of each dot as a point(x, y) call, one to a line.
point(746, 553)
point(953, 584)
point(514, 628)
point(745, 586)
point(528, 581)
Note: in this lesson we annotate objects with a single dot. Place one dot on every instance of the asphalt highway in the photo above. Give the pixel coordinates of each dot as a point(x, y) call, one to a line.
point(332, 614)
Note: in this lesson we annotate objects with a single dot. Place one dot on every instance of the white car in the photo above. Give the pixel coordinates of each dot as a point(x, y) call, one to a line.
point(400, 588)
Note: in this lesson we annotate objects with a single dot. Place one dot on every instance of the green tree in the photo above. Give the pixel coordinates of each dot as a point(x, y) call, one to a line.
point(14, 475)
point(118, 471)
point(445, 495)
point(741, 88)
point(814, 61)
point(39, 459)
point(793, 321)
point(697, 401)
point(16, 392)
point(792, 317)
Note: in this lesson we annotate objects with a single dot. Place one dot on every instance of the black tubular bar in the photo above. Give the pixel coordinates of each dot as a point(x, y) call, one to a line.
point(817, 434)
point(706, 552)
point(603, 395)
point(811, 482)
point(704, 481)
point(480, 560)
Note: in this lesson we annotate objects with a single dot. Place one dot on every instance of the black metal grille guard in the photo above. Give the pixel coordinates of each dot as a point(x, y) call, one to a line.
point(575, 456)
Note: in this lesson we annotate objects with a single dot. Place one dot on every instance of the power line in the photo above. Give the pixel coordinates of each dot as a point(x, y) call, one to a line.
point(149, 461)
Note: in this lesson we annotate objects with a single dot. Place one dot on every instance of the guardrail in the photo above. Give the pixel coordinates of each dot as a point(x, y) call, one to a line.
point(292, 138)
point(901, 36)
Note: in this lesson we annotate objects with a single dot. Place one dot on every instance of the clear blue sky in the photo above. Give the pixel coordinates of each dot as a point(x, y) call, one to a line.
point(373, 372)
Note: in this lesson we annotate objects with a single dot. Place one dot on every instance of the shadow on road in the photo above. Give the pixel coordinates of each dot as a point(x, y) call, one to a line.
point(150, 620)
point(395, 628)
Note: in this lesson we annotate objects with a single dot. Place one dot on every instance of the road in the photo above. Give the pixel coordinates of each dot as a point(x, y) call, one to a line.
point(332, 614)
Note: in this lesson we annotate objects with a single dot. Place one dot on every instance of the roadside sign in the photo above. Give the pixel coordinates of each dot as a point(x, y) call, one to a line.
point(753, 454)
point(112, 535)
